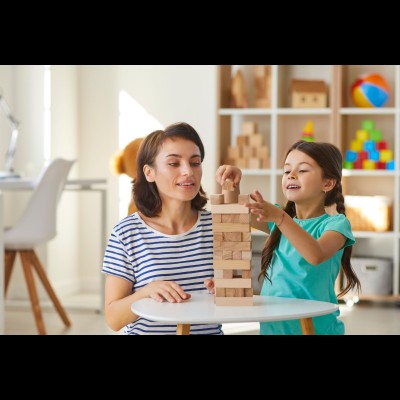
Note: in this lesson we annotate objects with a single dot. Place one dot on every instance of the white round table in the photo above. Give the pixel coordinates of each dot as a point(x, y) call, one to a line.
point(200, 309)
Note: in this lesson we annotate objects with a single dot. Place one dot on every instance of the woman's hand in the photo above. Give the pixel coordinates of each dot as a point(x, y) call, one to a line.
point(231, 172)
point(209, 284)
point(166, 290)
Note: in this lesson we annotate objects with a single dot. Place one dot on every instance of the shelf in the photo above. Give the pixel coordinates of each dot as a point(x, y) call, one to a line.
point(244, 111)
point(281, 125)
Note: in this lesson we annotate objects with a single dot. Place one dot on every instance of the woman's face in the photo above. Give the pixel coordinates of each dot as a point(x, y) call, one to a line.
point(177, 170)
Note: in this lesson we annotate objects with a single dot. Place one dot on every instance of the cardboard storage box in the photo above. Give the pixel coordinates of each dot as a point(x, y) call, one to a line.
point(375, 275)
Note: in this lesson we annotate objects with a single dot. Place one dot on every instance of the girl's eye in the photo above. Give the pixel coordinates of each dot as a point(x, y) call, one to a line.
point(173, 164)
point(286, 172)
point(303, 170)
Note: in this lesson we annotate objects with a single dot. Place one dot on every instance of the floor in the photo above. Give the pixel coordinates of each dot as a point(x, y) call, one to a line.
point(361, 319)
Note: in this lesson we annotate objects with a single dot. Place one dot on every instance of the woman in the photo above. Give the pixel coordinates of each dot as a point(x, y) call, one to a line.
point(165, 249)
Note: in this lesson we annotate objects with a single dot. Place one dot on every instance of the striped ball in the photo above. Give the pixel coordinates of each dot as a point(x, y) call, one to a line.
point(370, 90)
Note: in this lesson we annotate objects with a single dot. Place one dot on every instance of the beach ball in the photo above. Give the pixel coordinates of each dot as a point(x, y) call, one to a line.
point(370, 90)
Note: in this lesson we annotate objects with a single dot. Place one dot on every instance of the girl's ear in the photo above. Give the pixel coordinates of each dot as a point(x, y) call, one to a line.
point(148, 173)
point(329, 185)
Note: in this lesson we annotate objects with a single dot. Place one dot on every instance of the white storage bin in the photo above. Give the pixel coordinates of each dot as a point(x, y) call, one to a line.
point(375, 275)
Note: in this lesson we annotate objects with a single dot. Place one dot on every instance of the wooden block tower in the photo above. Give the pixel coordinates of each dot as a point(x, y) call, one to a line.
point(232, 247)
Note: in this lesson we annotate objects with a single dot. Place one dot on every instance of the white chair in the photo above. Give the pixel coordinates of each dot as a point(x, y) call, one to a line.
point(37, 225)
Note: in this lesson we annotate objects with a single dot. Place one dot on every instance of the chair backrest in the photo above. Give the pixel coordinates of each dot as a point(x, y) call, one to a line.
point(37, 223)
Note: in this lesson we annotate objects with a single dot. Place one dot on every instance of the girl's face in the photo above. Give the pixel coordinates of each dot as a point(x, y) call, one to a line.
point(302, 180)
point(177, 170)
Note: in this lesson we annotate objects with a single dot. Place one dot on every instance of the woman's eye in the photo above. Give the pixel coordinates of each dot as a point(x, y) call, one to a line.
point(195, 164)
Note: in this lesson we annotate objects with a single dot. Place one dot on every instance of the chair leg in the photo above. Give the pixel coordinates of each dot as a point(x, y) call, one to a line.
point(46, 283)
point(37, 311)
point(9, 259)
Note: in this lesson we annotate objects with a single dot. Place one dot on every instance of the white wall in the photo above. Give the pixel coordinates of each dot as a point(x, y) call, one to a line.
point(85, 125)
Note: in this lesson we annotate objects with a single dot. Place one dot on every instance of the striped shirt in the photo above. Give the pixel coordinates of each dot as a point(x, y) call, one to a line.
point(140, 254)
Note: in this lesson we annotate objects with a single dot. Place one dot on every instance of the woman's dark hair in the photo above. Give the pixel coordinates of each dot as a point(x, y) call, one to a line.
point(145, 194)
point(329, 158)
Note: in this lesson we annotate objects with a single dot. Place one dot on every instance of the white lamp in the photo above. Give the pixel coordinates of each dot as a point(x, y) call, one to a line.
point(9, 170)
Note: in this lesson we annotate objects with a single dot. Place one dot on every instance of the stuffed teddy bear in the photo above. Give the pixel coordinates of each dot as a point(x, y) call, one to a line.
point(124, 162)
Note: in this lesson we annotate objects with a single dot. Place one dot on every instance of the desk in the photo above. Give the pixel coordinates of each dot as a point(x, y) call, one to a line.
point(200, 309)
point(71, 185)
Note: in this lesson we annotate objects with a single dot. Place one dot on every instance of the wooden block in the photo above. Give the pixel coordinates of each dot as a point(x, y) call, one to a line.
point(234, 301)
point(263, 152)
point(234, 246)
point(242, 140)
point(226, 255)
point(246, 273)
point(248, 292)
point(236, 255)
point(254, 163)
point(217, 199)
point(219, 292)
point(248, 152)
point(229, 218)
point(221, 227)
point(229, 209)
point(239, 292)
point(246, 237)
point(243, 198)
point(218, 273)
point(233, 236)
point(227, 274)
point(232, 264)
point(233, 283)
point(216, 218)
point(246, 255)
point(249, 127)
point(256, 140)
point(241, 163)
point(230, 292)
point(228, 185)
point(265, 164)
point(218, 236)
point(218, 254)
point(243, 218)
point(234, 152)
point(230, 196)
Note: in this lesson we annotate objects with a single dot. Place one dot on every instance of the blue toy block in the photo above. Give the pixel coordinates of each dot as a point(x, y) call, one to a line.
point(351, 155)
point(369, 145)
point(390, 165)
point(373, 155)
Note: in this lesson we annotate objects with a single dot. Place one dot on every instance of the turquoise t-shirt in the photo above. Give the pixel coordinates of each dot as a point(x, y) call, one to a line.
point(293, 277)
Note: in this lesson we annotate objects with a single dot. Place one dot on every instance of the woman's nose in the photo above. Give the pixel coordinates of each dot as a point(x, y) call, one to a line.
point(187, 169)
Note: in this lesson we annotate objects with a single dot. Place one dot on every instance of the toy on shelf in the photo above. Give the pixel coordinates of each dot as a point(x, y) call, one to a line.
point(232, 247)
point(262, 79)
point(309, 94)
point(238, 91)
point(308, 132)
point(370, 90)
point(250, 151)
point(368, 150)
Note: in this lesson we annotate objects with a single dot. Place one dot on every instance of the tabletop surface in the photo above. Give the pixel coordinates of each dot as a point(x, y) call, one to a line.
point(200, 308)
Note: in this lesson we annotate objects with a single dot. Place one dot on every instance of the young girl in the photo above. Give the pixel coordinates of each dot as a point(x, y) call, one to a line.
point(307, 246)
point(165, 249)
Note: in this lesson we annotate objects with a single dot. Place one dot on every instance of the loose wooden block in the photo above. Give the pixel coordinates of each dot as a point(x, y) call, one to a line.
point(230, 196)
point(242, 140)
point(249, 127)
point(256, 140)
point(234, 301)
point(243, 198)
point(228, 185)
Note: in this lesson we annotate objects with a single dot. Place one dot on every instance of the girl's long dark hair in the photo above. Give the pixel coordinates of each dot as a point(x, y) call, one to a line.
point(329, 159)
point(145, 194)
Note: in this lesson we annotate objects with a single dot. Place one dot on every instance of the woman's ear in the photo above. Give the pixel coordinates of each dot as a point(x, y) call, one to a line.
point(148, 173)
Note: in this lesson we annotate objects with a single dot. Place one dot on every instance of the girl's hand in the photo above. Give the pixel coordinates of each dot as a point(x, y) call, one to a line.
point(228, 171)
point(166, 290)
point(209, 284)
point(264, 210)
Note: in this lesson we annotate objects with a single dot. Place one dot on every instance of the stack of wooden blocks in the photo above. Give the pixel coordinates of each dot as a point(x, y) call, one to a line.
point(250, 151)
point(232, 247)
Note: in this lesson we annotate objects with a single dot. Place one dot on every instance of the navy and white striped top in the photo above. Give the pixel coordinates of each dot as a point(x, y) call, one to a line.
point(140, 254)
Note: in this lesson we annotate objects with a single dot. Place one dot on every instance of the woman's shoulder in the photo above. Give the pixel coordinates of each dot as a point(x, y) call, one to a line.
point(130, 222)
